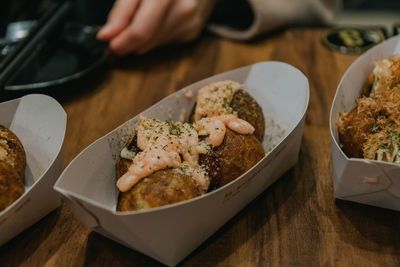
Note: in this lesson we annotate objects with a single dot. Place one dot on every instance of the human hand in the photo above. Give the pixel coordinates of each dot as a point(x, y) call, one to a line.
point(137, 26)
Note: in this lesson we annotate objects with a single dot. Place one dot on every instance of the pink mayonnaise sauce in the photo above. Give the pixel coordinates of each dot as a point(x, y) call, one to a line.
point(215, 127)
point(213, 112)
point(162, 143)
point(145, 164)
point(215, 98)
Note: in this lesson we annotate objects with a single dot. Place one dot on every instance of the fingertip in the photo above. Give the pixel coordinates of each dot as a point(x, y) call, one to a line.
point(117, 48)
point(107, 32)
point(119, 18)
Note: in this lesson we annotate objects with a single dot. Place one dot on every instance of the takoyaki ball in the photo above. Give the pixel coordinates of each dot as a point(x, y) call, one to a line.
point(249, 110)
point(12, 167)
point(11, 151)
point(11, 185)
point(161, 188)
point(237, 154)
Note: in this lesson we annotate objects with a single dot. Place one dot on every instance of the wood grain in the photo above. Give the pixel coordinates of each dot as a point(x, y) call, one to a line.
point(296, 222)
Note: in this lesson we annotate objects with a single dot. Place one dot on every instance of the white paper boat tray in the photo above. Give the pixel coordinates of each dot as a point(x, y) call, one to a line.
point(351, 176)
point(170, 233)
point(39, 121)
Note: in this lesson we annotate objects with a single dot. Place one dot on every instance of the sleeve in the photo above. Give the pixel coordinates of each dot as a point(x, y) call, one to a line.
point(267, 15)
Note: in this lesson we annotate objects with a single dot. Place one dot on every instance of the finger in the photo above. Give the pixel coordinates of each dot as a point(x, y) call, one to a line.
point(119, 18)
point(180, 14)
point(143, 28)
point(196, 19)
point(184, 23)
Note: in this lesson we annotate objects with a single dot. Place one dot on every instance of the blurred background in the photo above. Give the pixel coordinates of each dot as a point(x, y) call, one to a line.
point(366, 12)
point(54, 41)
point(385, 13)
point(48, 43)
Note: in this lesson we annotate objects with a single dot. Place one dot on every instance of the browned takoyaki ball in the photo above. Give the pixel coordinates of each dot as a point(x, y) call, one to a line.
point(161, 188)
point(12, 167)
point(11, 151)
point(247, 109)
point(237, 154)
point(11, 185)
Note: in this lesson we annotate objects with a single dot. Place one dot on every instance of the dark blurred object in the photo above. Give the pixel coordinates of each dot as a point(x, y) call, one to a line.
point(372, 4)
point(60, 58)
point(91, 12)
point(370, 13)
point(352, 40)
point(16, 32)
point(396, 29)
point(21, 10)
point(239, 17)
point(59, 47)
point(20, 42)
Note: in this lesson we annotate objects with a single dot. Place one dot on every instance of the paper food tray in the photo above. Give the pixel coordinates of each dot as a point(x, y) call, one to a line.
point(170, 233)
point(39, 122)
point(351, 175)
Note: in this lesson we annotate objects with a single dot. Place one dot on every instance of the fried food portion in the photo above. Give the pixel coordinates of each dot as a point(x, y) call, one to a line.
point(11, 151)
point(11, 185)
point(237, 154)
point(371, 130)
point(355, 126)
point(12, 167)
point(161, 188)
point(249, 110)
point(385, 76)
point(170, 162)
point(384, 142)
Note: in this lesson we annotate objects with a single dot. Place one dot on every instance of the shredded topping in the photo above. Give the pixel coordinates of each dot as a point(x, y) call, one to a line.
point(374, 125)
point(188, 94)
point(182, 115)
point(384, 143)
point(386, 75)
point(127, 154)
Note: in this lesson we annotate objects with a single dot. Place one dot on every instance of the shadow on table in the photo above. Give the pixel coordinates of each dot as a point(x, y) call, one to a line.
point(200, 53)
point(373, 229)
point(101, 251)
point(27, 242)
point(265, 211)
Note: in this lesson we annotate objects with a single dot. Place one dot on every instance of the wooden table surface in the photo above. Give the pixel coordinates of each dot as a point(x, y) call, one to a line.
point(294, 222)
